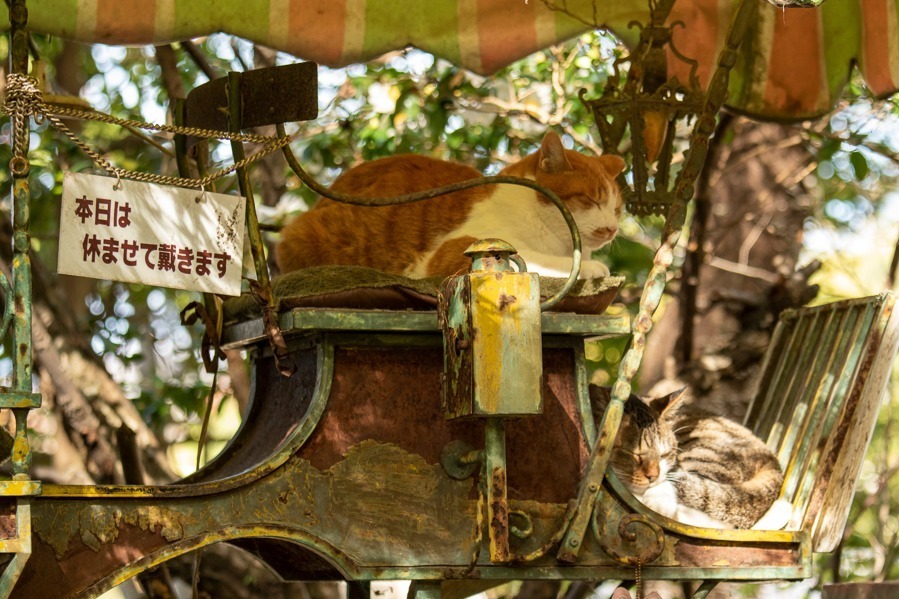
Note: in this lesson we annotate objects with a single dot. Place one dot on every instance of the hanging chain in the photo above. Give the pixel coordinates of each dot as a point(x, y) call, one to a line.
point(638, 572)
point(24, 98)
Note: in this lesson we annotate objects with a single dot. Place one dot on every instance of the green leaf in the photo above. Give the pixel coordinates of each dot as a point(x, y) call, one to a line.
point(859, 165)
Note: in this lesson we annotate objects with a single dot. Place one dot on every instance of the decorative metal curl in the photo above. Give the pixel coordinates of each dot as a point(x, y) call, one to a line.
point(521, 532)
point(626, 532)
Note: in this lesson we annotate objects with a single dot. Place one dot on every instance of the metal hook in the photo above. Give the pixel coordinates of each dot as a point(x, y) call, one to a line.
point(199, 198)
point(117, 186)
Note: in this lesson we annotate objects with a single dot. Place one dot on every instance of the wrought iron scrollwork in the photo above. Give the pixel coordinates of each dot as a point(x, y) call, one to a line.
point(640, 554)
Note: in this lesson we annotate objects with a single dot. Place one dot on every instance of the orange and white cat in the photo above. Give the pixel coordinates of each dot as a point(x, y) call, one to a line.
point(427, 238)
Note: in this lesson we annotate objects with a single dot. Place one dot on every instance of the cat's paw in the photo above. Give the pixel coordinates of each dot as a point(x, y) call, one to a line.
point(661, 498)
point(593, 269)
point(777, 516)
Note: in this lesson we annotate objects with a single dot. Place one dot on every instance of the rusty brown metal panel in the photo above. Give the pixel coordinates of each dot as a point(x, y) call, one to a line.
point(393, 397)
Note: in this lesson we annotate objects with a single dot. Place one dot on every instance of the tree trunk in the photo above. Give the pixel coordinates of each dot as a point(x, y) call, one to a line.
point(740, 269)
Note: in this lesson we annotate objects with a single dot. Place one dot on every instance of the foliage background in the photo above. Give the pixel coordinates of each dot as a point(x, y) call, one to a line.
point(840, 194)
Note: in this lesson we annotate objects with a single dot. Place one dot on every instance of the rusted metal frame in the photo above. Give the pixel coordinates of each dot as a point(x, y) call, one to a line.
point(704, 589)
point(347, 567)
point(263, 289)
point(864, 404)
point(757, 405)
point(494, 472)
point(328, 319)
point(324, 379)
point(601, 450)
point(758, 417)
point(807, 476)
point(582, 384)
point(683, 193)
point(846, 380)
point(21, 399)
point(320, 189)
point(787, 390)
point(862, 357)
point(808, 395)
point(20, 547)
point(332, 554)
point(624, 497)
point(764, 420)
point(820, 397)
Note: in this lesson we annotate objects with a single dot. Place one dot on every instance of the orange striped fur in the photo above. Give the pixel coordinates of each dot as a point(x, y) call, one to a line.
point(427, 238)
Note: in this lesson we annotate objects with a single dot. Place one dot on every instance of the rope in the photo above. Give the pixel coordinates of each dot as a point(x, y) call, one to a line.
point(24, 98)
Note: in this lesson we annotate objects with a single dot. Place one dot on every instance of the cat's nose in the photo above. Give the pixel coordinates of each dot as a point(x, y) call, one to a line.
point(605, 232)
point(651, 472)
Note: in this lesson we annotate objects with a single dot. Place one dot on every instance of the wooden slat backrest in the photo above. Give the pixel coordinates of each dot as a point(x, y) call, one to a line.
point(821, 385)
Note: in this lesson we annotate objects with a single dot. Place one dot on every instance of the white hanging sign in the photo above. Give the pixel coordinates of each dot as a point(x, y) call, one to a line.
point(154, 234)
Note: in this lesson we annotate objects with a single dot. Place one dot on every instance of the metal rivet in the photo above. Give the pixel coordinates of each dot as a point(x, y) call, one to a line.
point(574, 542)
point(593, 488)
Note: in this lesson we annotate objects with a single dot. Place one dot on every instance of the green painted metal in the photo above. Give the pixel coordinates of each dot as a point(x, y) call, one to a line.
point(496, 491)
point(491, 324)
point(20, 398)
point(21, 267)
point(424, 590)
point(263, 288)
point(814, 406)
point(20, 547)
point(683, 190)
point(322, 384)
point(301, 320)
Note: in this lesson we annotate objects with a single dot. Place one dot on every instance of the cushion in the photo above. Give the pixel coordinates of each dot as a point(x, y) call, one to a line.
point(361, 288)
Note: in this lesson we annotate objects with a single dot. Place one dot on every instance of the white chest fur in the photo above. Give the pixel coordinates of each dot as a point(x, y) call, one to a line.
point(536, 229)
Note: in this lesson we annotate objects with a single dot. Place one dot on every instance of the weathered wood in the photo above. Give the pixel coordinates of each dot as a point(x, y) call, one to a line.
point(862, 590)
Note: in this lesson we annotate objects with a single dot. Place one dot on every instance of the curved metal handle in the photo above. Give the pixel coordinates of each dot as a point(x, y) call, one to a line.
point(519, 262)
point(443, 190)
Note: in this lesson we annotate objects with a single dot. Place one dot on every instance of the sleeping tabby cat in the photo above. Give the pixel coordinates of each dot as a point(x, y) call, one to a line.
point(694, 466)
point(427, 238)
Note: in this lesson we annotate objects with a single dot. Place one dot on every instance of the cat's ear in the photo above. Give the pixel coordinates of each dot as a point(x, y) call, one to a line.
point(551, 155)
point(669, 404)
point(612, 164)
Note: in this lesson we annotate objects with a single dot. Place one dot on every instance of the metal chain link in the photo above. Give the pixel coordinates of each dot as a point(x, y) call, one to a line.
point(23, 98)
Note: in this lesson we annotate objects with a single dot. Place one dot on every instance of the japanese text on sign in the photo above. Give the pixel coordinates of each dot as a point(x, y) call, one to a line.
point(151, 234)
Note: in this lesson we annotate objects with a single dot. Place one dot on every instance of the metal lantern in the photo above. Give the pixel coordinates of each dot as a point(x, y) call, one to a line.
point(651, 103)
point(492, 336)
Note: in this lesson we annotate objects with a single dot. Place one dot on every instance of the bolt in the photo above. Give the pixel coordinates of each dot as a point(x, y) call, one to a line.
point(574, 542)
point(593, 488)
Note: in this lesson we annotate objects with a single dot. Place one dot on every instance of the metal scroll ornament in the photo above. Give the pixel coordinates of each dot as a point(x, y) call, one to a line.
point(650, 104)
point(628, 546)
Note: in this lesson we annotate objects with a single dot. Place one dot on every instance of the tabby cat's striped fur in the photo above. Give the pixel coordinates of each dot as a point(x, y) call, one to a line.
point(686, 462)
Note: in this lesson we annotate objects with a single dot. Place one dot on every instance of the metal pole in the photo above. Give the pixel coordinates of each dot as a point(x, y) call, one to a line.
point(21, 264)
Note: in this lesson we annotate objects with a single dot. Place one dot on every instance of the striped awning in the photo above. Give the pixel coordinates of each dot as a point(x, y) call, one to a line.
point(794, 64)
